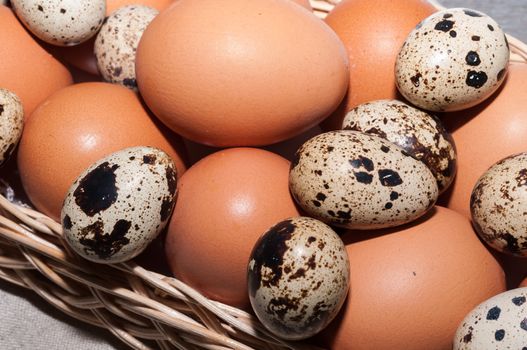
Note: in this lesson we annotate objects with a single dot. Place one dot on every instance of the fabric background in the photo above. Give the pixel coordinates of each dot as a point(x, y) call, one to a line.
point(27, 322)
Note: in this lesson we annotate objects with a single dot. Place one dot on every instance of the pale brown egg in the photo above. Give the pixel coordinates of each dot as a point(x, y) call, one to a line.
point(77, 126)
point(304, 3)
point(225, 202)
point(486, 134)
point(373, 32)
point(524, 283)
point(261, 72)
point(25, 67)
point(81, 56)
point(412, 286)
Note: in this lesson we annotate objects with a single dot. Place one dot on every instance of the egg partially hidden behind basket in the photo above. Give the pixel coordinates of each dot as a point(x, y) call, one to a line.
point(240, 72)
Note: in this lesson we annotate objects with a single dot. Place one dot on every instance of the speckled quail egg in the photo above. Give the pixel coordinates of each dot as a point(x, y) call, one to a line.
point(498, 323)
point(360, 181)
point(298, 277)
point(119, 204)
point(420, 134)
point(452, 60)
point(61, 23)
point(11, 123)
point(116, 43)
point(498, 205)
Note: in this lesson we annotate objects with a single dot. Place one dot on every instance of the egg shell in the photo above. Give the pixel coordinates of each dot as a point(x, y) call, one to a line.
point(262, 71)
point(498, 323)
point(116, 43)
point(453, 60)
point(304, 3)
point(11, 123)
point(420, 134)
point(498, 205)
point(373, 32)
point(360, 181)
point(298, 277)
point(62, 23)
point(113, 5)
point(524, 283)
point(77, 126)
point(412, 285)
point(226, 201)
point(487, 133)
point(24, 62)
point(120, 204)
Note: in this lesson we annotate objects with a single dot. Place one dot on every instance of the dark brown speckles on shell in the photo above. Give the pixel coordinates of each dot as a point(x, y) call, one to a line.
point(420, 134)
point(498, 205)
point(119, 204)
point(298, 277)
point(11, 123)
point(435, 66)
point(499, 322)
point(357, 179)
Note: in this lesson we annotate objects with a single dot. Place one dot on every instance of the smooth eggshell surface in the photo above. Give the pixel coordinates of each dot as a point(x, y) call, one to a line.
point(453, 60)
point(62, 23)
point(360, 181)
point(298, 277)
point(411, 286)
point(116, 43)
point(497, 323)
point(373, 32)
point(26, 68)
point(77, 126)
point(120, 204)
point(11, 123)
point(498, 205)
point(420, 134)
point(486, 134)
point(261, 72)
point(225, 202)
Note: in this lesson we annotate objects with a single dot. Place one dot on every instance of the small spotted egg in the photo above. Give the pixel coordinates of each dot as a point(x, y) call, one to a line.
point(420, 134)
point(11, 123)
point(61, 23)
point(360, 181)
point(498, 205)
point(498, 323)
point(116, 43)
point(119, 204)
point(298, 277)
point(452, 60)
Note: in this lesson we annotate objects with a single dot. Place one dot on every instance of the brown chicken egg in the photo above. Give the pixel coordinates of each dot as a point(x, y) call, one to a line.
point(26, 68)
point(412, 286)
point(524, 283)
point(261, 72)
point(225, 202)
point(77, 126)
point(486, 134)
point(373, 32)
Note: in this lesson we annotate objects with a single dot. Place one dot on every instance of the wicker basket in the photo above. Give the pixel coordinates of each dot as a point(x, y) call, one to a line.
point(142, 308)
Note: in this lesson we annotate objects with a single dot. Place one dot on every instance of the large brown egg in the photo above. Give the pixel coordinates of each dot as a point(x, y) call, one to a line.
point(81, 56)
point(75, 127)
point(225, 202)
point(240, 72)
point(413, 285)
point(373, 32)
point(487, 133)
point(25, 67)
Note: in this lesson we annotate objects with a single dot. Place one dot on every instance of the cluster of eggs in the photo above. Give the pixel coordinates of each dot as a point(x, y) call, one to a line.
point(255, 225)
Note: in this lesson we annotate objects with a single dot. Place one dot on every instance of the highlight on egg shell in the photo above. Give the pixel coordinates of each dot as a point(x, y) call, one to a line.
point(452, 60)
point(120, 204)
point(11, 123)
point(116, 43)
point(498, 323)
point(359, 181)
point(298, 277)
point(420, 134)
point(498, 205)
point(61, 23)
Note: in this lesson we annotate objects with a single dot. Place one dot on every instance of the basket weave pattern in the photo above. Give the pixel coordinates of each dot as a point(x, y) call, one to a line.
point(142, 308)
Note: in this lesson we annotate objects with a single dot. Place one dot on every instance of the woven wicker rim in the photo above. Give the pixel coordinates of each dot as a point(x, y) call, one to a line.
point(142, 308)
